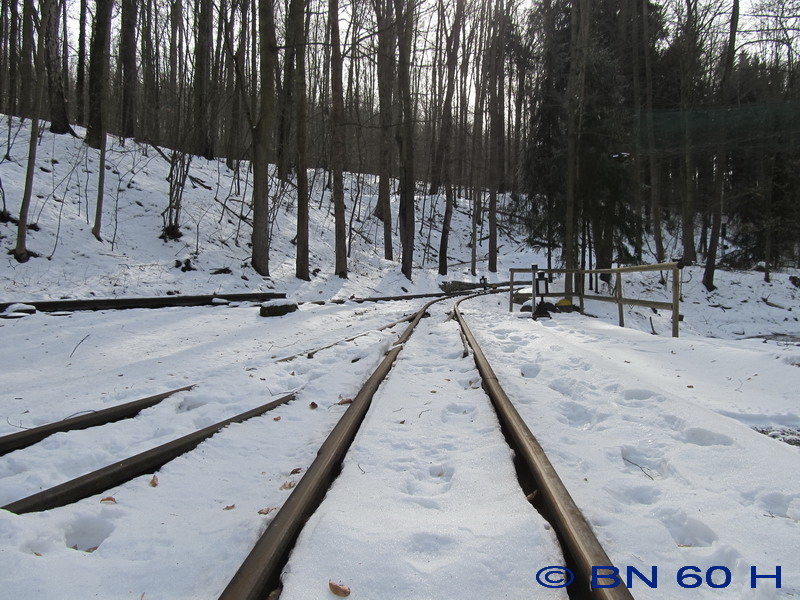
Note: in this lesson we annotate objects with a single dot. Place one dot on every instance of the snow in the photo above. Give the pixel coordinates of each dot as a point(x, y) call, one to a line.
point(654, 436)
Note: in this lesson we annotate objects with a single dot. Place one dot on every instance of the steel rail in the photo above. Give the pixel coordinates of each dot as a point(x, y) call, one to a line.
point(23, 439)
point(142, 302)
point(119, 472)
point(311, 353)
point(578, 539)
point(197, 300)
point(260, 571)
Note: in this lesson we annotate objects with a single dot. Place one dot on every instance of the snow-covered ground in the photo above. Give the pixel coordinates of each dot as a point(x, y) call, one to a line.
point(654, 436)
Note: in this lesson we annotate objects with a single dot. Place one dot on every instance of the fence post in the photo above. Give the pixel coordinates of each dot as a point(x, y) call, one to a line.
point(511, 293)
point(676, 299)
point(619, 300)
point(581, 291)
point(534, 268)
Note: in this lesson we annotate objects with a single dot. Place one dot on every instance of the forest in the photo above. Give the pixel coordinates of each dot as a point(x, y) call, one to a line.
point(604, 129)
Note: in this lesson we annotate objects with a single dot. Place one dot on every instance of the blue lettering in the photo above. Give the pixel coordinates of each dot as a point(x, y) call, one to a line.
point(651, 583)
point(613, 576)
point(754, 577)
point(695, 580)
point(710, 580)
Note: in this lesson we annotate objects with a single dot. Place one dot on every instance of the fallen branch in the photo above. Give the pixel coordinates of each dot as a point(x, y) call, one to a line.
point(78, 344)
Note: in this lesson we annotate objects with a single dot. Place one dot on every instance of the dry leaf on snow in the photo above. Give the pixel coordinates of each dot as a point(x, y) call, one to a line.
point(313, 405)
point(154, 481)
point(339, 590)
point(278, 418)
point(288, 485)
point(266, 511)
point(296, 470)
point(229, 507)
point(109, 499)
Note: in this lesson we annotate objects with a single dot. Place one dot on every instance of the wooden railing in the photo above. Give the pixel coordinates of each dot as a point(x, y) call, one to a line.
point(539, 275)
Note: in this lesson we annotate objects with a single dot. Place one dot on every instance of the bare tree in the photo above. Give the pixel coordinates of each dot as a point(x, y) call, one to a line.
point(296, 30)
point(721, 167)
point(445, 155)
point(337, 140)
point(262, 136)
point(579, 40)
point(387, 42)
point(80, 78)
point(404, 14)
point(127, 51)
point(21, 252)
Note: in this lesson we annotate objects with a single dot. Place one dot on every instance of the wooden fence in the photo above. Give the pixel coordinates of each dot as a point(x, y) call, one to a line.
point(538, 276)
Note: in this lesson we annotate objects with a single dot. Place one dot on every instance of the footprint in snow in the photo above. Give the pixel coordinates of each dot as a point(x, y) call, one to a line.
point(685, 530)
point(581, 416)
point(86, 533)
point(531, 370)
point(648, 462)
point(432, 544)
point(433, 481)
point(633, 494)
point(704, 437)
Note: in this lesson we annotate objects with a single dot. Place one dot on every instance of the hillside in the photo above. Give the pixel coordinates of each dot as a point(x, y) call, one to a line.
point(212, 256)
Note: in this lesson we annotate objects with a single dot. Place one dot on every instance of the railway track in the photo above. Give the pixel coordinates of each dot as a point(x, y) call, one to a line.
point(260, 573)
point(437, 393)
point(155, 302)
point(150, 458)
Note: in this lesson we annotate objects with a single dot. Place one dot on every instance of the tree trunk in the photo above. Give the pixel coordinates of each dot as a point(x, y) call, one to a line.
point(405, 135)
point(721, 154)
point(203, 144)
point(98, 73)
point(27, 75)
point(497, 128)
point(445, 154)
point(262, 135)
point(477, 173)
point(59, 119)
point(127, 52)
point(688, 59)
point(5, 42)
point(13, 60)
point(285, 104)
point(653, 160)
point(337, 140)
point(579, 24)
point(386, 50)
point(21, 253)
point(80, 77)
point(297, 32)
point(638, 234)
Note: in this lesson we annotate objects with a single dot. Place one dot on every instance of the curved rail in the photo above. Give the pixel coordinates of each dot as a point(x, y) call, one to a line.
point(581, 547)
point(23, 439)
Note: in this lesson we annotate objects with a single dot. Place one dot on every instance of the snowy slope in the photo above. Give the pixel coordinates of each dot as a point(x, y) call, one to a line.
point(133, 261)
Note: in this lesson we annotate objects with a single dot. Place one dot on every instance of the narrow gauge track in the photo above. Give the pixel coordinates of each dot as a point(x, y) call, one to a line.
point(153, 302)
point(164, 347)
point(144, 462)
point(259, 575)
point(141, 302)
